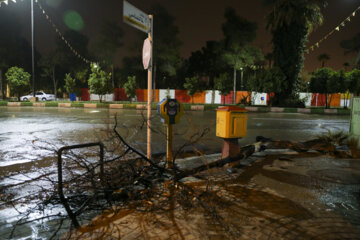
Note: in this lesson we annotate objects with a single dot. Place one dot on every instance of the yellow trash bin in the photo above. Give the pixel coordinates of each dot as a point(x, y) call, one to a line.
point(231, 122)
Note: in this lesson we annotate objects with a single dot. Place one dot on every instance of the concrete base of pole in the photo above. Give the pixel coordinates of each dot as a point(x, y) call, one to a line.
point(230, 148)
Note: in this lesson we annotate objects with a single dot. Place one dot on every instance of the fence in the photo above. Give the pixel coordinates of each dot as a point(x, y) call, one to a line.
point(214, 97)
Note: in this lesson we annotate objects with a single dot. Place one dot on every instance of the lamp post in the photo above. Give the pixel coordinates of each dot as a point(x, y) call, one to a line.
point(241, 78)
point(32, 46)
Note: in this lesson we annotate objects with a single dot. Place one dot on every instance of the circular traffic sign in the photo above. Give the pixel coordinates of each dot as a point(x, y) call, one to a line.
point(146, 53)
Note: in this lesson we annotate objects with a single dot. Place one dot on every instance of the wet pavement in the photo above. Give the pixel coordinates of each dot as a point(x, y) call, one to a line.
point(273, 195)
point(278, 197)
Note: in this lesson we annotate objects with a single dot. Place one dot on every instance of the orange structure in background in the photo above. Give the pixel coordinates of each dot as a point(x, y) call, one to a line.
point(199, 97)
point(155, 96)
point(334, 99)
point(240, 95)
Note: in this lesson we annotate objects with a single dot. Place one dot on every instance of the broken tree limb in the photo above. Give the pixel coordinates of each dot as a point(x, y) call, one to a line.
point(244, 152)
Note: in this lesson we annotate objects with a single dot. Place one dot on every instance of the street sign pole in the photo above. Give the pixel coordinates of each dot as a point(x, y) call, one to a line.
point(143, 22)
point(149, 90)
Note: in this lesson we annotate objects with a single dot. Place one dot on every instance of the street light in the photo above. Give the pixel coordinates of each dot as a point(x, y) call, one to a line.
point(32, 46)
point(32, 41)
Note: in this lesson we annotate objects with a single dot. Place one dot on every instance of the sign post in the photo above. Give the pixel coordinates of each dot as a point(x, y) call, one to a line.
point(143, 22)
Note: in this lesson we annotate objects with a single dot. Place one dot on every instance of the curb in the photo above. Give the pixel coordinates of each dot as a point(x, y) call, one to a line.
point(141, 106)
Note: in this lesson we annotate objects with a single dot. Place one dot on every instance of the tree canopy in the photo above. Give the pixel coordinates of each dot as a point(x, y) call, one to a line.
point(290, 22)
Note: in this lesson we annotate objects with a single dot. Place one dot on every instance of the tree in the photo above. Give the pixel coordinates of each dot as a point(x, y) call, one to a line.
point(223, 83)
point(99, 81)
point(70, 84)
point(353, 46)
point(353, 80)
point(166, 51)
point(238, 33)
point(269, 81)
point(48, 64)
point(18, 79)
point(242, 56)
point(290, 22)
point(323, 58)
point(321, 82)
point(130, 87)
point(107, 44)
point(193, 85)
point(14, 49)
point(206, 62)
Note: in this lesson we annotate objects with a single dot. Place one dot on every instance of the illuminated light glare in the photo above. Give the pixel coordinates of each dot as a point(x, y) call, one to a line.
point(73, 20)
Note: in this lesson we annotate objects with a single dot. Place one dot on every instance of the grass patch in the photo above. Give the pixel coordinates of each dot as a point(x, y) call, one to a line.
point(102, 105)
point(77, 105)
point(317, 110)
point(343, 111)
point(26, 104)
point(3, 103)
point(51, 104)
point(290, 110)
point(263, 109)
point(130, 105)
point(211, 106)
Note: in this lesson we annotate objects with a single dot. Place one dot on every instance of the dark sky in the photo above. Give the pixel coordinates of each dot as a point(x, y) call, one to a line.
point(198, 22)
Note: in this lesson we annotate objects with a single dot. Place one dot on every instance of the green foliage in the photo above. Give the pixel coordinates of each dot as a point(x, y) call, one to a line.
point(166, 51)
point(75, 104)
point(18, 80)
point(327, 81)
point(353, 81)
point(223, 83)
point(207, 63)
point(269, 81)
point(317, 110)
point(320, 80)
point(108, 42)
point(99, 81)
point(272, 80)
point(237, 30)
point(193, 85)
point(130, 87)
point(70, 83)
point(338, 82)
point(51, 104)
point(26, 104)
point(290, 22)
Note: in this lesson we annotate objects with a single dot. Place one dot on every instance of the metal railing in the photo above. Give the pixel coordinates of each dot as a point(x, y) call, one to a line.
point(63, 200)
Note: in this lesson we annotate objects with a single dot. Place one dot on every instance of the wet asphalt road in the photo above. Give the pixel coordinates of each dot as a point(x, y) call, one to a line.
point(24, 128)
point(21, 126)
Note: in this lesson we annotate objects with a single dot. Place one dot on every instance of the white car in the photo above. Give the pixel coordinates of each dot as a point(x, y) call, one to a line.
point(40, 95)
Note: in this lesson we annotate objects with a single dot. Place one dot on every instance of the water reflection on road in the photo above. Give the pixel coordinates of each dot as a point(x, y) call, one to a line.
point(20, 126)
point(24, 128)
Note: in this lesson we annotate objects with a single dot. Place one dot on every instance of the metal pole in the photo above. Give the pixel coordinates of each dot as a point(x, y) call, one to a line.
point(149, 90)
point(169, 145)
point(32, 46)
point(242, 76)
point(234, 91)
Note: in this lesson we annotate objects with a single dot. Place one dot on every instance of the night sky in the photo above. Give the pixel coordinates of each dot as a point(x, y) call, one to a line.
point(198, 22)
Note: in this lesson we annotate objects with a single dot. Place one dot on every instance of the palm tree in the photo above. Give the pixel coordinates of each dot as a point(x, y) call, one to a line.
point(352, 46)
point(290, 22)
point(323, 58)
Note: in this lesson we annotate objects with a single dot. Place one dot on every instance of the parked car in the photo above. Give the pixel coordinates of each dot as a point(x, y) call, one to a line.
point(40, 95)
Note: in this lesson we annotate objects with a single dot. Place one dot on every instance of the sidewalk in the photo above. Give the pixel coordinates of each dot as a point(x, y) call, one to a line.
point(273, 195)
